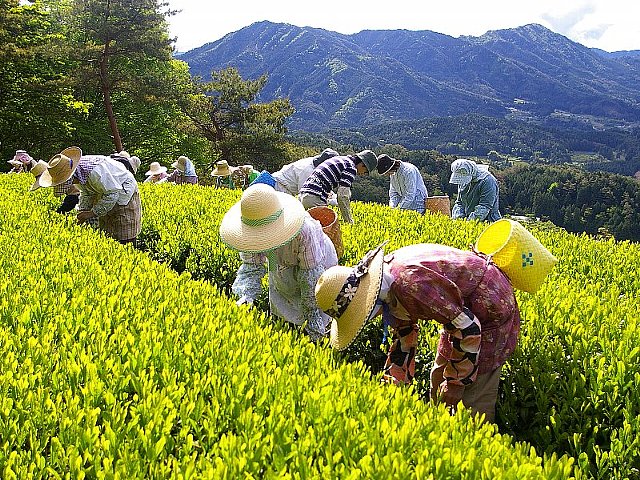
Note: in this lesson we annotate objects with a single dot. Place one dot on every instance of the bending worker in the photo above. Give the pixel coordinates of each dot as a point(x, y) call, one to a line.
point(406, 187)
point(469, 296)
point(337, 174)
point(478, 191)
point(273, 232)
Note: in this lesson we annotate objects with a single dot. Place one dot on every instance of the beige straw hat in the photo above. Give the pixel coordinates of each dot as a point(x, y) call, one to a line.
point(348, 295)
point(262, 220)
point(222, 169)
point(61, 167)
point(37, 170)
point(155, 169)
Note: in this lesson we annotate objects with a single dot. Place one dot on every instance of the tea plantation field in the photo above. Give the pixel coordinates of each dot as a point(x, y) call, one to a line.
point(135, 363)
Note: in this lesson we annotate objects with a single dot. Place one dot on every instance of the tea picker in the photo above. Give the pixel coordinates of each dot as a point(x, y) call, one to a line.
point(274, 234)
point(478, 191)
point(465, 291)
point(407, 190)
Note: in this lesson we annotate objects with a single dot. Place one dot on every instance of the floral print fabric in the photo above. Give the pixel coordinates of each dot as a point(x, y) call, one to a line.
point(436, 282)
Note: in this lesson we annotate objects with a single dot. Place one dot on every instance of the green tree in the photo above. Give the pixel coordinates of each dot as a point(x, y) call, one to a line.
point(241, 130)
point(121, 47)
point(37, 106)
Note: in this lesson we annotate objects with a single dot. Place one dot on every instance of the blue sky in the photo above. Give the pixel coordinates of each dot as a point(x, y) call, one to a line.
point(607, 24)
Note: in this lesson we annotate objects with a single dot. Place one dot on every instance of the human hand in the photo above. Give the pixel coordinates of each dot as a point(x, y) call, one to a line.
point(85, 215)
point(450, 394)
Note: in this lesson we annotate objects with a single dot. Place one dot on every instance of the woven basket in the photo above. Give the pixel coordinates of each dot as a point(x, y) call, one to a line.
point(438, 204)
point(328, 218)
point(518, 254)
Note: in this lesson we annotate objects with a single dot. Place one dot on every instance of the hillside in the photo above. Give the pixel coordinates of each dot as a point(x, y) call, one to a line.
point(336, 80)
point(556, 142)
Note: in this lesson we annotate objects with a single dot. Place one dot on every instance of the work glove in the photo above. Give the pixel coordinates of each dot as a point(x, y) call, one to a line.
point(244, 300)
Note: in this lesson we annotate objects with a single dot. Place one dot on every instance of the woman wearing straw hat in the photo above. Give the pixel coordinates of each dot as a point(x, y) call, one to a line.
point(184, 171)
point(222, 172)
point(467, 294)
point(108, 191)
point(478, 191)
point(407, 190)
point(337, 174)
point(37, 170)
point(269, 227)
point(21, 162)
point(156, 173)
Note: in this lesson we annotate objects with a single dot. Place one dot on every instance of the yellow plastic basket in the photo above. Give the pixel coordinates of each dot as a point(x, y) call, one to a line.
point(518, 254)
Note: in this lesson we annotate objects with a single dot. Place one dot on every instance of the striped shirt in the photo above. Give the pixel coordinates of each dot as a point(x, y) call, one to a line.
point(336, 172)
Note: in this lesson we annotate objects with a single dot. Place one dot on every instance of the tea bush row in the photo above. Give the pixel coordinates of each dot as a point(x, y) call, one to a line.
point(115, 366)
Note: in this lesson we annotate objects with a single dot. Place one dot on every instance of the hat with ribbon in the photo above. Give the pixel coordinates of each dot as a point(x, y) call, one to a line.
point(262, 220)
point(37, 170)
point(155, 169)
point(349, 294)
point(385, 164)
point(61, 167)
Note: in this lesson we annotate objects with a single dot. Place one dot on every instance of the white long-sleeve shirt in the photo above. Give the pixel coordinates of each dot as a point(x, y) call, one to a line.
point(291, 177)
point(108, 184)
point(294, 269)
point(407, 190)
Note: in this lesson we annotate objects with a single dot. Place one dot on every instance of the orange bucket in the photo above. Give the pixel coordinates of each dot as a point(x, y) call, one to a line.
point(328, 218)
point(438, 204)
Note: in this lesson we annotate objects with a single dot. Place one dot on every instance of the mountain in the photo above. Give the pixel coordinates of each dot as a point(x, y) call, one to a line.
point(375, 76)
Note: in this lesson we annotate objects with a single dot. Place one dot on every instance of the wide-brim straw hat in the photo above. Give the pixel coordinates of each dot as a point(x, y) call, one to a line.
point(155, 169)
point(222, 169)
point(61, 167)
point(37, 170)
point(349, 294)
point(262, 220)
